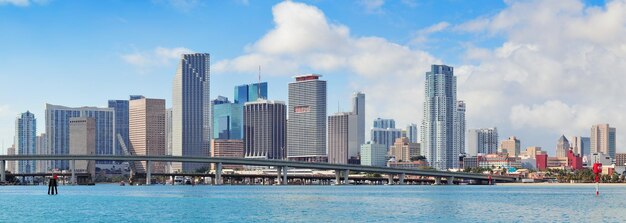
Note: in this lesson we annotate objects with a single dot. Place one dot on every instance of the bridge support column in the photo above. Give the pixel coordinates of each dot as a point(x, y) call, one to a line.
point(401, 178)
point(437, 180)
point(390, 179)
point(148, 172)
point(285, 182)
point(279, 173)
point(218, 174)
point(346, 173)
point(3, 176)
point(450, 180)
point(73, 169)
point(337, 177)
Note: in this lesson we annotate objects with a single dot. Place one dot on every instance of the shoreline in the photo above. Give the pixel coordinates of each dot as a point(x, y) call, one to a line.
point(562, 184)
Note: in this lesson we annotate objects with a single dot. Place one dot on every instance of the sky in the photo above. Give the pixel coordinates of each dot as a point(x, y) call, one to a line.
point(535, 69)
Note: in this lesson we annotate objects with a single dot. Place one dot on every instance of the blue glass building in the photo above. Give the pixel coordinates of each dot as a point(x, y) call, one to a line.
point(121, 123)
point(25, 140)
point(250, 92)
point(227, 119)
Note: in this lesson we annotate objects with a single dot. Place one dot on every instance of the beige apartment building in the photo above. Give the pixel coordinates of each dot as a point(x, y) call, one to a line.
point(146, 128)
point(603, 139)
point(403, 149)
point(83, 142)
point(510, 146)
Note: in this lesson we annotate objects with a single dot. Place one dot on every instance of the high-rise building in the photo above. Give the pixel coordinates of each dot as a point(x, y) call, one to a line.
point(404, 150)
point(384, 123)
point(306, 127)
point(562, 147)
point(603, 139)
point(620, 159)
point(387, 135)
point(120, 108)
point(581, 145)
point(440, 111)
point(511, 146)
point(342, 137)
point(227, 120)
point(358, 109)
point(168, 138)
point(250, 92)
point(411, 132)
point(146, 118)
point(482, 141)
point(25, 141)
point(58, 131)
point(11, 164)
point(227, 148)
point(532, 151)
point(82, 141)
point(373, 154)
point(459, 128)
point(42, 149)
point(264, 127)
point(191, 110)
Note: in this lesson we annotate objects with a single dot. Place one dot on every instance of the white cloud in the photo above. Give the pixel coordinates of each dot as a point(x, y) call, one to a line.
point(159, 57)
point(304, 40)
point(23, 3)
point(422, 35)
point(558, 69)
point(372, 6)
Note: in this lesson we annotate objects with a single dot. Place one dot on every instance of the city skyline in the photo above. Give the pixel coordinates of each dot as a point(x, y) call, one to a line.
point(523, 117)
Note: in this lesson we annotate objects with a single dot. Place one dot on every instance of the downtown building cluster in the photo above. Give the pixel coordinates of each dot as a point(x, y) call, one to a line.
point(253, 126)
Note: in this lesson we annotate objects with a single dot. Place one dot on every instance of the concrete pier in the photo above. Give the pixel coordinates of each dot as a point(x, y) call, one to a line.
point(285, 182)
point(450, 180)
point(437, 180)
point(337, 177)
point(73, 169)
point(148, 172)
point(218, 174)
point(346, 174)
point(390, 179)
point(3, 177)
point(401, 178)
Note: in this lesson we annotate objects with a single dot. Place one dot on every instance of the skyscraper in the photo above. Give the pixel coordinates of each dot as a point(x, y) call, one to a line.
point(57, 130)
point(191, 110)
point(384, 123)
point(227, 148)
point(82, 141)
point(411, 132)
point(121, 123)
point(511, 146)
point(342, 137)
point(384, 132)
point(264, 127)
point(440, 111)
point(11, 164)
point(482, 141)
point(459, 128)
point(603, 139)
point(562, 146)
point(25, 141)
point(306, 135)
point(147, 131)
point(581, 145)
point(373, 154)
point(227, 119)
point(250, 92)
point(42, 149)
point(358, 109)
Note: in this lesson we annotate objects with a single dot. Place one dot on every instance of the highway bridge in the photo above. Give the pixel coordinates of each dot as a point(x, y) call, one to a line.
point(341, 170)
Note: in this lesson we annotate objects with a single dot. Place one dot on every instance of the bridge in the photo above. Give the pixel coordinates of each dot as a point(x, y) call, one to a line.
point(341, 170)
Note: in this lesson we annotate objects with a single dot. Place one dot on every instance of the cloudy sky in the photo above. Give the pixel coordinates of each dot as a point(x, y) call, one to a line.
point(534, 69)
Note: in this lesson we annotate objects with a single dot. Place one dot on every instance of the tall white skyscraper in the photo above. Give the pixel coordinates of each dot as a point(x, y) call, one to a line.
point(440, 113)
point(384, 132)
point(603, 138)
point(411, 132)
point(25, 141)
point(306, 124)
point(191, 110)
point(459, 127)
point(358, 109)
point(482, 141)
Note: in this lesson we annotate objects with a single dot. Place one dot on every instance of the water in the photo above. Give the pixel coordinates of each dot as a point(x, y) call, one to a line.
point(112, 203)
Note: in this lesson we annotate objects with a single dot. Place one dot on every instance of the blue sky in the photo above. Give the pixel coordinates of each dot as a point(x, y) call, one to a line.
point(82, 53)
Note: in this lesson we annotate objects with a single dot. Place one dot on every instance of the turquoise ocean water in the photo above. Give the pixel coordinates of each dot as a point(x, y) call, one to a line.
point(112, 203)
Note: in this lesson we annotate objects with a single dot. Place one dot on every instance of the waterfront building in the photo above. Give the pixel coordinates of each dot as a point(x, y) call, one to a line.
point(227, 148)
point(57, 130)
point(411, 133)
point(531, 151)
point(264, 127)
point(306, 135)
point(620, 159)
point(82, 141)
point(11, 164)
point(418, 164)
point(542, 161)
point(581, 145)
point(482, 141)
point(574, 161)
point(25, 141)
point(557, 162)
point(191, 110)
point(470, 162)
point(120, 107)
point(603, 139)
point(342, 142)
point(42, 149)
point(373, 154)
point(250, 92)
point(440, 113)
point(562, 147)
point(404, 150)
point(458, 143)
point(499, 160)
point(147, 131)
point(358, 109)
point(227, 120)
point(602, 158)
point(384, 132)
point(510, 146)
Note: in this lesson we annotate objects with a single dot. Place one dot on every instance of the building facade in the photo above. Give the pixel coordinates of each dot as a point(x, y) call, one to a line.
point(411, 133)
point(250, 92)
point(120, 108)
point(11, 164)
point(562, 146)
point(25, 141)
point(581, 145)
point(404, 150)
point(603, 139)
point(83, 142)
point(147, 131)
point(482, 141)
point(227, 148)
point(306, 135)
point(440, 111)
point(43, 166)
point(373, 154)
point(264, 125)
point(459, 128)
point(511, 146)
point(358, 109)
point(57, 130)
point(384, 132)
point(191, 110)
point(228, 120)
